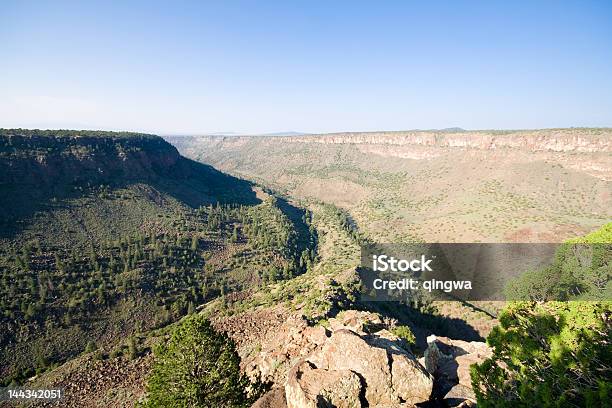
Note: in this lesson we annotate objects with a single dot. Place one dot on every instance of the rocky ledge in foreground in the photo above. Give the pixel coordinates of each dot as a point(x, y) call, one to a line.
point(356, 361)
point(449, 361)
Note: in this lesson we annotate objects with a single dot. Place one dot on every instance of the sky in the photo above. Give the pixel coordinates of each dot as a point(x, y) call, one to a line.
point(308, 66)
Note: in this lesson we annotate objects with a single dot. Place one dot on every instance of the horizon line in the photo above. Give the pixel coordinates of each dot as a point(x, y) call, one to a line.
point(299, 133)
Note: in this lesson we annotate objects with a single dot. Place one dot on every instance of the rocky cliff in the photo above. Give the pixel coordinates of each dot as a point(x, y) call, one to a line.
point(556, 140)
point(468, 186)
point(42, 158)
point(587, 150)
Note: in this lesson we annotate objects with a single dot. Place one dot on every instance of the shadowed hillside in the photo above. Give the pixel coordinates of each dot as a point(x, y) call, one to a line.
point(38, 168)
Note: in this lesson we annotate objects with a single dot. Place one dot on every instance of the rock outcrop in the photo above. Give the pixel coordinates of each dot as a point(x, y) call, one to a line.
point(391, 374)
point(282, 348)
point(311, 387)
point(555, 140)
point(50, 158)
point(353, 362)
point(584, 150)
point(275, 398)
point(561, 140)
point(449, 362)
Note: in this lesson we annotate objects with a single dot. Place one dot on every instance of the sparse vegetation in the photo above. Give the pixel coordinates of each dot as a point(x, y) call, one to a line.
point(131, 255)
point(403, 192)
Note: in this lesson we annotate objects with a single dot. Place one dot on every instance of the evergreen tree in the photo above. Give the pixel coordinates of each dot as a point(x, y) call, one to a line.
point(554, 354)
point(197, 367)
point(132, 348)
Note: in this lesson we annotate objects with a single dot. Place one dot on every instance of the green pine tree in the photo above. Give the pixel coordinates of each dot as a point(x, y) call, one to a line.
point(197, 367)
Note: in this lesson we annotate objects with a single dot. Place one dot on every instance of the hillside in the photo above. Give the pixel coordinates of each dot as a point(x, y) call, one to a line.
point(104, 235)
point(37, 168)
point(489, 186)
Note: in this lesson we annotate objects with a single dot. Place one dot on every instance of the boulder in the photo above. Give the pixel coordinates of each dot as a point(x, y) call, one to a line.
point(310, 387)
point(411, 382)
point(391, 374)
point(275, 398)
point(316, 335)
point(449, 361)
point(452, 359)
point(460, 396)
point(357, 321)
point(282, 347)
point(345, 350)
point(356, 362)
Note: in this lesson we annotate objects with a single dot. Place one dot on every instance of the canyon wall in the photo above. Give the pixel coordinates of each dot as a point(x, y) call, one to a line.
point(38, 159)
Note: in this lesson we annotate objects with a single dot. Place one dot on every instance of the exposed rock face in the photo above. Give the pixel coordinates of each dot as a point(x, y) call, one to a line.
point(557, 140)
point(310, 387)
point(409, 380)
point(562, 140)
point(585, 150)
point(357, 321)
point(53, 159)
point(282, 348)
point(449, 361)
point(275, 398)
point(391, 374)
point(460, 396)
point(355, 362)
point(294, 339)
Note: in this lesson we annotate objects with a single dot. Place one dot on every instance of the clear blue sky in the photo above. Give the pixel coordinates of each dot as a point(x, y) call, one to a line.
point(250, 67)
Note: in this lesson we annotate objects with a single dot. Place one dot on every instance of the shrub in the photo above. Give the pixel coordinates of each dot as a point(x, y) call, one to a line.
point(197, 367)
point(552, 354)
point(132, 348)
point(404, 333)
point(581, 270)
point(116, 353)
point(91, 346)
